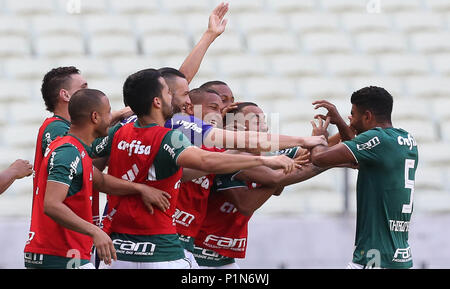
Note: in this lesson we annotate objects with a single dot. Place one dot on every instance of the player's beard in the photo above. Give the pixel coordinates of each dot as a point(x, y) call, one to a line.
point(102, 129)
point(168, 110)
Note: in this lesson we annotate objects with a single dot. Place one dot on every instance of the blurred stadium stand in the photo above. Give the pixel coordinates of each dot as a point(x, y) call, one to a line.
point(282, 54)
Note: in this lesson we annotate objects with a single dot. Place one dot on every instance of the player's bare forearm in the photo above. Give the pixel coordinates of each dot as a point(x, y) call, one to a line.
point(216, 162)
point(273, 178)
point(119, 115)
point(345, 131)
point(255, 142)
point(191, 64)
point(334, 139)
point(7, 177)
point(247, 201)
point(112, 185)
point(17, 170)
point(64, 216)
point(55, 208)
point(191, 174)
point(326, 157)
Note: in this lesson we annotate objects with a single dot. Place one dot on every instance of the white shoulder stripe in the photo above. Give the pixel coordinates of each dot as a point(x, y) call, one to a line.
point(351, 152)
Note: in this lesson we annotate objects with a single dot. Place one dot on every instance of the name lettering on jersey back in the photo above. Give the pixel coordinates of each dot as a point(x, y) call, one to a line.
point(134, 147)
point(409, 141)
point(398, 226)
point(373, 142)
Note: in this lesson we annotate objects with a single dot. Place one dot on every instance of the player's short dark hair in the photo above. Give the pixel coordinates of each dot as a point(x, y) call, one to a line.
point(53, 82)
point(239, 108)
point(140, 89)
point(197, 94)
point(83, 103)
point(209, 84)
point(375, 99)
point(170, 73)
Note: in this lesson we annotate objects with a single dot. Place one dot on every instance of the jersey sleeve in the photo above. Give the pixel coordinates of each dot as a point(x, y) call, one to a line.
point(193, 128)
point(366, 147)
point(228, 181)
point(53, 130)
point(101, 147)
point(64, 164)
point(172, 145)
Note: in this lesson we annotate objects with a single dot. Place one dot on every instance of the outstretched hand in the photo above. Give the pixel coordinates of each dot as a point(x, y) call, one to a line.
point(279, 162)
point(217, 23)
point(321, 128)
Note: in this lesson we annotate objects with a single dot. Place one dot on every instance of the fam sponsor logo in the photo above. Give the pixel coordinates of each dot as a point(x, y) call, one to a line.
point(183, 218)
point(213, 241)
point(402, 255)
point(373, 142)
point(134, 248)
point(135, 147)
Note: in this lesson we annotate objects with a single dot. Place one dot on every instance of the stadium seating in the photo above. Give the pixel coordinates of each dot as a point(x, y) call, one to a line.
point(133, 7)
point(313, 22)
point(350, 66)
point(280, 54)
point(363, 23)
point(297, 66)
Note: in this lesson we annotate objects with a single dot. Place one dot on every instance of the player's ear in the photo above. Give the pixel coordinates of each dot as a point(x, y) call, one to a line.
point(94, 117)
point(368, 116)
point(157, 102)
point(64, 95)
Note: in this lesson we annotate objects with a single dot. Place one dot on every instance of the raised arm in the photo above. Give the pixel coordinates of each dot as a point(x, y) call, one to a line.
point(216, 26)
point(345, 131)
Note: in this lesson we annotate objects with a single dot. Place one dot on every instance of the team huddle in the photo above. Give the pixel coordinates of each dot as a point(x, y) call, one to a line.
point(187, 168)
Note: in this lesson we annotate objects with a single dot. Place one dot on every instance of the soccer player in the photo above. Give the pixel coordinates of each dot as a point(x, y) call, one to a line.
point(225, 94)
point(387, 159)
point(194, 191)
point(61, 224)
point(146, 152)
point(17, 170)
point(58, 86)
point(222, 236)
